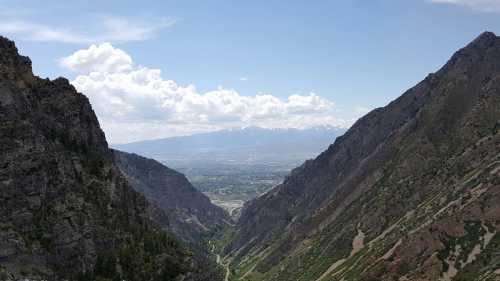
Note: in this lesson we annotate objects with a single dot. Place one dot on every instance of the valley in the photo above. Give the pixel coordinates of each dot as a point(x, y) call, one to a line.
point(409, 192)
point(234, 166)
point(230, 186)
point(359, 209)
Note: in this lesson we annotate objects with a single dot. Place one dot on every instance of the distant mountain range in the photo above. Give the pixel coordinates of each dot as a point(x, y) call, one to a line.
point(252, 145)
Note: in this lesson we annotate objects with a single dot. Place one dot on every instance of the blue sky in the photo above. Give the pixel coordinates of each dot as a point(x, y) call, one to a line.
point(356, 54)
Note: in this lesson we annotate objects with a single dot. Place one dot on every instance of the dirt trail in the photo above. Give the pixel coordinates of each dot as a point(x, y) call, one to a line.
point(331, 269)
point(357, 244)
point(389, 253)
point(226, 278)
point(226, 267)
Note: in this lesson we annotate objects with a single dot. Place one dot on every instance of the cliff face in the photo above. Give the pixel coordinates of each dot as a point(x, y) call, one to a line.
point(189, 213)
point(66, 210)
point(411, 191)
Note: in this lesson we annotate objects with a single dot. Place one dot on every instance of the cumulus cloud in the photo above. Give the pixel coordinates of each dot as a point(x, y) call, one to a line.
point(483, 5)
point(100, 29)
point(103, 58)
point(135, 103)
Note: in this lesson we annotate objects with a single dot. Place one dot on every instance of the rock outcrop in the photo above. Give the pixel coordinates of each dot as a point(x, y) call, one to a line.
point(419, 178)
point(176, 204)
point(66, 210)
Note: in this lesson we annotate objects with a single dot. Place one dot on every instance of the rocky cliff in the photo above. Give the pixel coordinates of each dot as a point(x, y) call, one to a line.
point(410, 192)
point(66, 210)
point(189, 213)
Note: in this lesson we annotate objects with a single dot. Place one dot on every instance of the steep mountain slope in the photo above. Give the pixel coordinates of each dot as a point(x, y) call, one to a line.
point(189, 213)
point(410, 192)
point(66, 211)
point(252, 145)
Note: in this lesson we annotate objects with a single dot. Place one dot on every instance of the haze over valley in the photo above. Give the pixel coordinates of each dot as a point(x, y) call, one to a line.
point(234, 166)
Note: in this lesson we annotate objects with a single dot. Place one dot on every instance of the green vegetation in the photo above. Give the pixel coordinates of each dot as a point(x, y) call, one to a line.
point(147, 255)
point(229, 186)
point(474, 231)
point(485, 264)
point(219, 238)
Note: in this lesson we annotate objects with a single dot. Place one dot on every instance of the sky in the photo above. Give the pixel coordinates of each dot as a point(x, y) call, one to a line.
point(155, 69)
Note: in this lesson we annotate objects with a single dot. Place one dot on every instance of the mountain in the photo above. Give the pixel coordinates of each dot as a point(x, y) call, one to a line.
point(252, 145)
point(189, 213)
point(410, 192)
point(66, 210)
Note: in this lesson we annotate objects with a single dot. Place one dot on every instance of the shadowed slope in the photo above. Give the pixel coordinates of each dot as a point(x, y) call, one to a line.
point(66, 211)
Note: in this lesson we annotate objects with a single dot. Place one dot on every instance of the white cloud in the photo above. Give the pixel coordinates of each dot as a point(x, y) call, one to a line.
point(244, 79)
point(136, 103)
point(121, 29)
point(102, 58)
point(482, 5)
point(39, 32)
point(101, 29)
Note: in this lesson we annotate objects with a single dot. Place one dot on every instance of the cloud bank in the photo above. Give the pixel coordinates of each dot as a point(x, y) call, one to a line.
point(135, 103)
